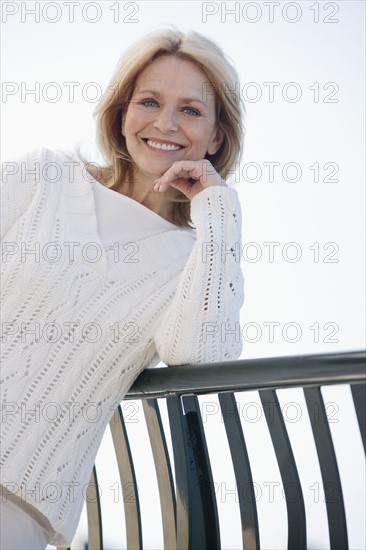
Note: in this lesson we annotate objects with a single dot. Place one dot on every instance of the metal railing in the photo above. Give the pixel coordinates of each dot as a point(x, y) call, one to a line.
point(189, 508)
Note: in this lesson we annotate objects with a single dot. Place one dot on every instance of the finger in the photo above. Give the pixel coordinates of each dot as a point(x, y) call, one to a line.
point(176, 182)
point(186, 188)
point(182, 168)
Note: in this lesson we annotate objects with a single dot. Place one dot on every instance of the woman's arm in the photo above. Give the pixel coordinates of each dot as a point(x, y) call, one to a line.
point(202, 324)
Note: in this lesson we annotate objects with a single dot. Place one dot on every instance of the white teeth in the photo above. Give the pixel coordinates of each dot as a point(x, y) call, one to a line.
point(163, 146)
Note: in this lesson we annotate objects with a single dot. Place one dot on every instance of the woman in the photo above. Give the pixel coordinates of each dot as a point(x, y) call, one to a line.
point(116, 268)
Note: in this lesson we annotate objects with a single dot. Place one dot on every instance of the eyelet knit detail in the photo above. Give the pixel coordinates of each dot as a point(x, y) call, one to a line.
point(97, 326)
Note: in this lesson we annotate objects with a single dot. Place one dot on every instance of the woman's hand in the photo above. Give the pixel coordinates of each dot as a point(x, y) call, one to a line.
point(181, 171)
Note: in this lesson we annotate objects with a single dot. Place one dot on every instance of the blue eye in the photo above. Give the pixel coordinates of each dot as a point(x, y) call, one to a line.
point(154, 103)
point(194, 111)
point(146, 101)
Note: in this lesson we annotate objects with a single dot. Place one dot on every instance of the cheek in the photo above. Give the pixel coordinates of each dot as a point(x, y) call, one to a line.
point(135, 120)
point(203, 140)
point(130, 122)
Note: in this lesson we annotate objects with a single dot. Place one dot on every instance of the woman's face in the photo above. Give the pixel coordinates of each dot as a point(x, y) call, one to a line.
point(171, 117)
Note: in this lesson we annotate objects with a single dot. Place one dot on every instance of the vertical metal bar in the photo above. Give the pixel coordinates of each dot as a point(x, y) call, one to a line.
point(329, 469)
point(359, 400)
point(197, 521)
point(128, 480)
point(243, 474)
point(287, 465)
point(94, 514)
point(204, 517)
point(181, 470)
point(163, 471)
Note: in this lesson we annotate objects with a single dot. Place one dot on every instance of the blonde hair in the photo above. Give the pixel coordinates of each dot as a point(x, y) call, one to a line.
point(221, 74)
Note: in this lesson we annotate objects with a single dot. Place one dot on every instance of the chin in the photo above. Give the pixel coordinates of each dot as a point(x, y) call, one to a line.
point(156, 171)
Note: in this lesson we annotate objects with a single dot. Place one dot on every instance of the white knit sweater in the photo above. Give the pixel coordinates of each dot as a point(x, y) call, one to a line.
point(78, 327)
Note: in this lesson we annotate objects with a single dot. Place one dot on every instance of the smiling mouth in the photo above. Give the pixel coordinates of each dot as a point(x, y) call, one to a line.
point(157, 146)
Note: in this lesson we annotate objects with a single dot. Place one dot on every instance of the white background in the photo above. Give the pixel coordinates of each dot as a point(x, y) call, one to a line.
point(313, 49)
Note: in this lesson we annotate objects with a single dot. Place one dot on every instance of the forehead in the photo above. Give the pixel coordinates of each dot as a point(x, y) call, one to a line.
point(169, 74)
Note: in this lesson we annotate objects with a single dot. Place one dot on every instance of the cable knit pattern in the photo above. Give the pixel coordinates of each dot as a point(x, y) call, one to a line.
point(79, 327)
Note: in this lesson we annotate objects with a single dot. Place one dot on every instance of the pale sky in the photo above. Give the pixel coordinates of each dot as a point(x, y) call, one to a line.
point(301, 66)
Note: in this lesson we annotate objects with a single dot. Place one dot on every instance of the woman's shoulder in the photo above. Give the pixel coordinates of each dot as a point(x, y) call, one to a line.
point(43, 156)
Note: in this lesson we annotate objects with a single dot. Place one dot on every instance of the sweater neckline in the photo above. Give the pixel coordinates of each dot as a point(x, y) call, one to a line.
point(79, 208)
point(136, 204)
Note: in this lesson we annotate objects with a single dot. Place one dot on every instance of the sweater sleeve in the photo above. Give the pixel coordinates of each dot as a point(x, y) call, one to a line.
point(202, 323)
point(19, 178)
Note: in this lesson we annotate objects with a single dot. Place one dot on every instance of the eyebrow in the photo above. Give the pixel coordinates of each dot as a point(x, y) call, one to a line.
point(183, 99)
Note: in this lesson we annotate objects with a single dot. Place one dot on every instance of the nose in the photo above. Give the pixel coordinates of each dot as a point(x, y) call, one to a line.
point(166, 120)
